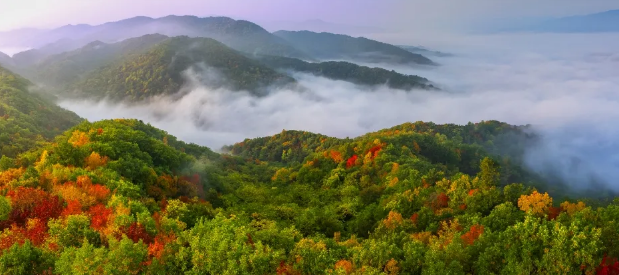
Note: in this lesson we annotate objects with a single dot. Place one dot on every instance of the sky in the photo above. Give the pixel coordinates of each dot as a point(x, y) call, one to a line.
point(390, 14)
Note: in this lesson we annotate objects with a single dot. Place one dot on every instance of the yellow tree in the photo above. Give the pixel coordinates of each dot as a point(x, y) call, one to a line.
point(535, 203)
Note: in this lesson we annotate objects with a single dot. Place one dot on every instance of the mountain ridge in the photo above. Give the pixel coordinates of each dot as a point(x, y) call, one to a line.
point(330, 46)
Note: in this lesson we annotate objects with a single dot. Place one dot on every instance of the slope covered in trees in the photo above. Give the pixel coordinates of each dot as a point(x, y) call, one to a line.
point(159, 70)
point(62, 70)
point(339, 70)
point(121, 197)
point(338, 46)
point(5, 60)
point(424, 51)
point(27, 118)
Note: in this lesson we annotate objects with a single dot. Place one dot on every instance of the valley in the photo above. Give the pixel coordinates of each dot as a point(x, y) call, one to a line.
point(208, 145)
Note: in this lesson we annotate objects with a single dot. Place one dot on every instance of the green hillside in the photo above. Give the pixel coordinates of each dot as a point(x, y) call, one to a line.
point(63, 70)
point(27, 119)
point(339, 70)
point(159, 70)
point(122, 197)
point(338, 46)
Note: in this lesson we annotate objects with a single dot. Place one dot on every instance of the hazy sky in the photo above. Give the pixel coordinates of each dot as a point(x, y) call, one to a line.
point(408, 14)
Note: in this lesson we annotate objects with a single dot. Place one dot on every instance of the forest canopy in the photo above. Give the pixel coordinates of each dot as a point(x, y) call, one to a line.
point(122, 197)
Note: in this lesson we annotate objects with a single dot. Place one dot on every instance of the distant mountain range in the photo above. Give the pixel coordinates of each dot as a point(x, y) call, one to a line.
point(317, 25)
point(346, 71)
point(424, 51)
point(238, 34)
point(607, 21)
point(142, 57)
point(343, 47)
point(150, 65)
point(243, 36)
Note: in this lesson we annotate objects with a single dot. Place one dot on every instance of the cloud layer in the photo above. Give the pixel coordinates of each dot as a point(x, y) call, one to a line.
point(568, 96)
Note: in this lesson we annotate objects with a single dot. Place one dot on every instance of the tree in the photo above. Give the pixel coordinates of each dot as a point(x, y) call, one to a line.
point(536, 203)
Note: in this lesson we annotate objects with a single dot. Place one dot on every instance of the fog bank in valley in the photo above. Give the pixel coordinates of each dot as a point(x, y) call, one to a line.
point(568, 95)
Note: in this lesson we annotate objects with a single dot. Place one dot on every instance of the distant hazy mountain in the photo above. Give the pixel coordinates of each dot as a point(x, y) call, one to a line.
point(598, 22)
point(331, 46)
point(238, 34)
point(5, 60)
point(424, 51)
point(159, 70)
point(317, 25)
point(350, 72)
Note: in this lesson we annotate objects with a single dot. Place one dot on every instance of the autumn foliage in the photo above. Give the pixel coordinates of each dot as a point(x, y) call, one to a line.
point(473, 234)
point(344, 265)
point(608, 266)
point(351, 161)
point(535, 203)
point(100, 215)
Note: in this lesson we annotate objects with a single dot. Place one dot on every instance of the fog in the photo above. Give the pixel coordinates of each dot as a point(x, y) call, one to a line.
point(569, 95)
point(10, 51)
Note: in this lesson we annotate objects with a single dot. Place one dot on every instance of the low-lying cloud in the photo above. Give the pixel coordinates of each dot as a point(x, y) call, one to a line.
point(570, 98)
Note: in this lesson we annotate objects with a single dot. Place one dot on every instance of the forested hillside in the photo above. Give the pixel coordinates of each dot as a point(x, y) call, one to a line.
point(159, 70)
point(5, 60)
point(339, 70)
point(121, 197)
point(27, 119)
point(63, 70)
point(338, 46)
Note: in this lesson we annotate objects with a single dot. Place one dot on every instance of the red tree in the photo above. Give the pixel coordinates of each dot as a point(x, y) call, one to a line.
point(137, 232)
point(351, 161)
point(608, 266)
point(99, 216)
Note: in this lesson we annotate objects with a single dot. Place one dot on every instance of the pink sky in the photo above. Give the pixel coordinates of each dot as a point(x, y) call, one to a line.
point(384, 13)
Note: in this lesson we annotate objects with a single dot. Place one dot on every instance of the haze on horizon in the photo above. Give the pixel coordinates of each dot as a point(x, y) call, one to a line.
point(391, 15)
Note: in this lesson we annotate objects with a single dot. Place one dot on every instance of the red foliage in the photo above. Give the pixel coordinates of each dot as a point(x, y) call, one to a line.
point(285, 269)
point(441, 201)
point(195, 181)
point(157, 218)
point(472, 192)
point(553, 212)
point(137, 232)
point(157, 247)
point(16, 235)
point(74, 207)
point(351, 161)
point(462, 206)
point(49, 207)
point(99, 131)
point(374, 150)
point(99, 216)
point(163, 203)
point(608, 266)
point(36, 232)
point(32, 203)
point(98, 191)
point(414, 218)
point(473, 234)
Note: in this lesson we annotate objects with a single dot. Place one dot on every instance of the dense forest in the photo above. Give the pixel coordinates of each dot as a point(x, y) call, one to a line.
point(160, 69)
point(63, 70)
point(338, 46)
point(26, 118)
point(121, 197)
point(339, 70)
